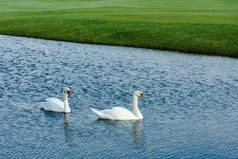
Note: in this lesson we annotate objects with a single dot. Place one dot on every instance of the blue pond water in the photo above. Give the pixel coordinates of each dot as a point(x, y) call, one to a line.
point(190, 110)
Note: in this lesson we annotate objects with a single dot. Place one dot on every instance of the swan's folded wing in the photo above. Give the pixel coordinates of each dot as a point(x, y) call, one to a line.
point(53, 104)
point(116, 113)
point(102, 114)
point(120, 113)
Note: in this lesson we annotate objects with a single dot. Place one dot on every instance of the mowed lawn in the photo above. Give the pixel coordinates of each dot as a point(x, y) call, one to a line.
point(191, 26)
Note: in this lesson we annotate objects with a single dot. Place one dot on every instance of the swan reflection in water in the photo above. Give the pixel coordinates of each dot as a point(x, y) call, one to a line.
point(68, 134)
point(66, 121)
point(139, 137)
point(67, 131)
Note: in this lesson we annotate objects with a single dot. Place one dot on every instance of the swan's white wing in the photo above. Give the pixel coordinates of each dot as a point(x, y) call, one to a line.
point(53, 104)
point(120, 113)
point(116, 113)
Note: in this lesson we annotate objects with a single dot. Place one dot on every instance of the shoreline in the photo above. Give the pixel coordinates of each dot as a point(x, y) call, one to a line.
point(197, 27)
point(179, 52)
point(153, 48)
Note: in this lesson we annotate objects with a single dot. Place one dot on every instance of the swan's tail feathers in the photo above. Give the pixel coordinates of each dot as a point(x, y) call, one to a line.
point(98, 113)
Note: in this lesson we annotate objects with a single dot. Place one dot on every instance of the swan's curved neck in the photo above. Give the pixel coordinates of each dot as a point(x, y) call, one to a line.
point(66, 103)
point(136, 110)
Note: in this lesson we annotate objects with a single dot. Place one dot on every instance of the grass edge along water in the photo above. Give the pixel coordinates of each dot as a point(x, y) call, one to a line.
point(200, 27)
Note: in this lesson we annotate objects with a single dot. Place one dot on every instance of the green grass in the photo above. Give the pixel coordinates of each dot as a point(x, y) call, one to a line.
point(192, 26)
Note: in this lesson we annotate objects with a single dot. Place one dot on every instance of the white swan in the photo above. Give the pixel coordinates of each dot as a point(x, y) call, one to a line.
point(56, 105)
point(119, 113)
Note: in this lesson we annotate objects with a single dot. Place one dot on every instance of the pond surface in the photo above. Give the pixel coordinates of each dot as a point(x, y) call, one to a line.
point(190, 111)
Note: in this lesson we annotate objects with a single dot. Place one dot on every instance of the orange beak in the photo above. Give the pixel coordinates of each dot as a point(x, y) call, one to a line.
point(142, 96)
point(69, 94)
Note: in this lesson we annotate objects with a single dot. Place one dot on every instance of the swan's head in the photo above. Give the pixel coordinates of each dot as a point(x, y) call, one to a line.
point(67, 91)
point(139, 93)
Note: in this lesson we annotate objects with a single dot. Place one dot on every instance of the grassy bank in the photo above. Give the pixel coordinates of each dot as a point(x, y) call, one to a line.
point(197, 26)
